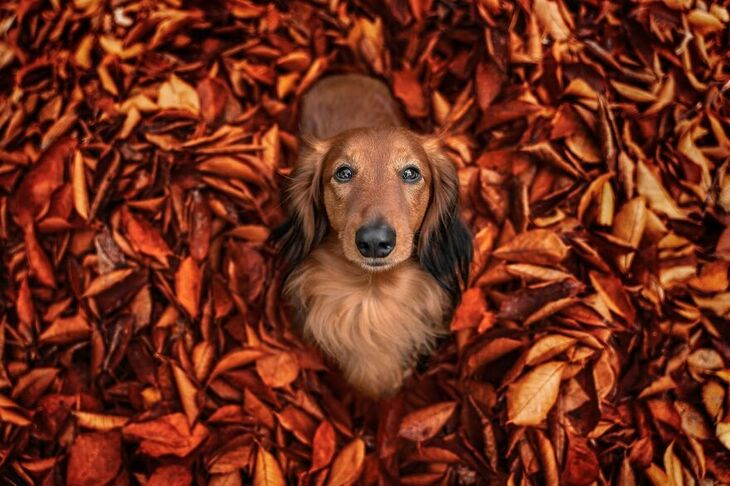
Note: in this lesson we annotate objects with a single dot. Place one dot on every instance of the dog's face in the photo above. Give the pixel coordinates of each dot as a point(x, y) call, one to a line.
point(387, 194)
point(376, 189)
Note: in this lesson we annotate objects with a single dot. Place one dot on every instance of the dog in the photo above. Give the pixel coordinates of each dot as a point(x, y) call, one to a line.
point(377, 251)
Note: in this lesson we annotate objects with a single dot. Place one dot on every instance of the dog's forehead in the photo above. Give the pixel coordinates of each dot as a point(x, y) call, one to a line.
point(378, 145)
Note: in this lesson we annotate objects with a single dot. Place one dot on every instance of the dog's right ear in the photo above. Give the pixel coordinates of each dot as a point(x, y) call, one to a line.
point(306, 224)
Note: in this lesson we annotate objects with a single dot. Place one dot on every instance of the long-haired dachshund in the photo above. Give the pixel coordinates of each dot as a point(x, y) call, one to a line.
point(377, 248)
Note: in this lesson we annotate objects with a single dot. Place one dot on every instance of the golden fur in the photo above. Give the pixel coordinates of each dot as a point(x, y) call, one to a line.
point(372, 315)
point(373, 325)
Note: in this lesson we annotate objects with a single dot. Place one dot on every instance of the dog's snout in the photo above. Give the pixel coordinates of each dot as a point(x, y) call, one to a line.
point(375, 240)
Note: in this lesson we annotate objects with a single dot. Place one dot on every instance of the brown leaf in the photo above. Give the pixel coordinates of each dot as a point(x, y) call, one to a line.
point(171, 475)
point(144, 237)
point(613, 294)
point(489, 80)
point(95, 458)
point(547, 348)
point(541, 247)
point(213, 96)
point(581, 464)
point(423, 424)
point(167, 435)
point(47, 175)
point(39, 263)
point(65, 330)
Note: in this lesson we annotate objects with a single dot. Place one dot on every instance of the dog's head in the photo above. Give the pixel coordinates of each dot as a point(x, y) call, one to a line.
point(387, 194)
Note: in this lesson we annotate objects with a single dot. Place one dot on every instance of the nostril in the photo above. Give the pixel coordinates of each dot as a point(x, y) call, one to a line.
point(375, 240)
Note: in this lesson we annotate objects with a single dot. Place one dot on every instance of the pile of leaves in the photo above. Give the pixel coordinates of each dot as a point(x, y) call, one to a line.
point(143, 147)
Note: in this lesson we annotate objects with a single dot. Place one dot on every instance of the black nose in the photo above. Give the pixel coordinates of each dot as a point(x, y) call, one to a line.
point(375, 240)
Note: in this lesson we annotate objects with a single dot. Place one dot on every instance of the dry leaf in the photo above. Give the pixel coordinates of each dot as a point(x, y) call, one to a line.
point(421, 425)
point(267, 472)
point(348, 464)
point(530, 398)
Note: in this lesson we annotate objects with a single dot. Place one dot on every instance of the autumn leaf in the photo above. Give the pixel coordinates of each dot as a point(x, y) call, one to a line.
point(421, 425)
point(348, 464)
point(66, 329)
point(530, 398)
point(95, 458)
point(541, 247)
point(407, 89)
point(277, 370)
point(176, 93)
point(144, 237)
point(323, 448)
point(267, 472)
point(187, 285)
point(167, 435)
point(470, 310)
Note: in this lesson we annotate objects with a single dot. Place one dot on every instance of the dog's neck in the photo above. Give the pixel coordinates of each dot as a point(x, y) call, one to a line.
point(373, 324)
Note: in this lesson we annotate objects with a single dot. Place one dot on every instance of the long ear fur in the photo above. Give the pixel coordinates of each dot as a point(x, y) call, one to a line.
point(444, 242)
point(306, 224)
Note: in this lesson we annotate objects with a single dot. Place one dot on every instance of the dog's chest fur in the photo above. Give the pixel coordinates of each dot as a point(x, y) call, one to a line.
point(372, 324)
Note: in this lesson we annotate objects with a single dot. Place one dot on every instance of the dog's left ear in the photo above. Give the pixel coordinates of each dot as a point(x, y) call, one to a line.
point(444, 241)
point(306, 224)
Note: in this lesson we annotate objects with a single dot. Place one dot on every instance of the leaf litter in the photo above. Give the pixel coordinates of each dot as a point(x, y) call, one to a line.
point(142, 152)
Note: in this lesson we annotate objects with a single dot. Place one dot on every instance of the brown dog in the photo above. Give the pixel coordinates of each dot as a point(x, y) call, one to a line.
point(374, 238)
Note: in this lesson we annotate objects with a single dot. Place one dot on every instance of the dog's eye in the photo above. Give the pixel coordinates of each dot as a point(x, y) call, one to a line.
point(411, 174)
point(343, 174)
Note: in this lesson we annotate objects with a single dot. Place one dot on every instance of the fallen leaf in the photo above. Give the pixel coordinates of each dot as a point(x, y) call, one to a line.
point(268, 471)
point(94, 458)
point(423, 424)
point(541, 247)
point(530, 398)
point(348, 464)
point(278, 370)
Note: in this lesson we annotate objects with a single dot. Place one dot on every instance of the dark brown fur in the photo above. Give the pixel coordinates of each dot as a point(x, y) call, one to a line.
point(373, 321)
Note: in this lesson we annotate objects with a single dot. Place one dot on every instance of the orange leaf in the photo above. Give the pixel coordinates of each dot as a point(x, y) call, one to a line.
point(408, 89)
point(541, 247)
point(278, 370)
point(187, 285)
point(323, 445)
point(95, 459)
point(470, 311)
point(530, 398)
point(421, 425)
point(267, 472)
point(65, 330)
point(348, 464)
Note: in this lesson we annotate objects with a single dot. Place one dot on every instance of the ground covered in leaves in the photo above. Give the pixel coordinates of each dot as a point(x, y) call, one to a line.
point(143, 146)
